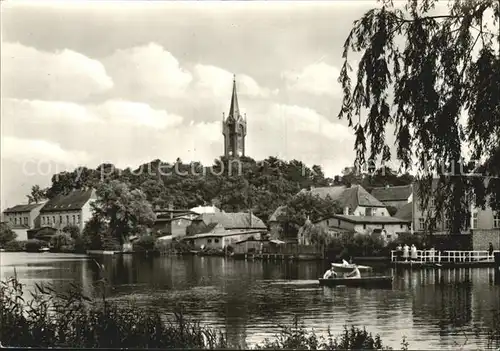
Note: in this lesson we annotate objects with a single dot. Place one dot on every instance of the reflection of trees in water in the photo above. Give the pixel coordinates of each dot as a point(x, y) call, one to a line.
point(443, 298)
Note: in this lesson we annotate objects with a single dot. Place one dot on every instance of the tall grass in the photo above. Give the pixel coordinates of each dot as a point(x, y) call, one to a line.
point(70, 319)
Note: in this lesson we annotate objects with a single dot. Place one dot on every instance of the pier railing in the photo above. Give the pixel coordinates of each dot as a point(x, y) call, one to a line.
point(423, 256)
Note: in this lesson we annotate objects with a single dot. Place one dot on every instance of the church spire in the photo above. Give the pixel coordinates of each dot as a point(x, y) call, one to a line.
point(234, 110)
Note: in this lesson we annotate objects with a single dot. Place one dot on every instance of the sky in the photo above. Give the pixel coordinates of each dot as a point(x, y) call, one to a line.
point(85, 83)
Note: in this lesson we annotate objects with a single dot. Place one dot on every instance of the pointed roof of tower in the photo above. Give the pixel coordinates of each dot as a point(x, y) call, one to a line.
point(234, 110)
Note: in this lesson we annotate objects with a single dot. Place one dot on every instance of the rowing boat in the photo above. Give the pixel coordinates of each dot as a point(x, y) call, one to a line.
point(366, 282)
point(346, 268)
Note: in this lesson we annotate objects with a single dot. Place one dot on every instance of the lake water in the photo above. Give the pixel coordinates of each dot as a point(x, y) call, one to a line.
point(434, 309)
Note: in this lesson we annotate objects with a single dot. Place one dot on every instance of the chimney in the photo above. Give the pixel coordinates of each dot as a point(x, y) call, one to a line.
point(346, 210)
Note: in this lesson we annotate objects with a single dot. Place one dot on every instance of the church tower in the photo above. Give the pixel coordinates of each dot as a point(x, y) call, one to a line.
point(234, 128)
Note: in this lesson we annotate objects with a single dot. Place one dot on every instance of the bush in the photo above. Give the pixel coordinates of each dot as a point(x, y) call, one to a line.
point(356, 245)
point(60, 240)
point(145, 243)
point(14, 246)
point(34, 245)
point(6, 234)
point(73, 231)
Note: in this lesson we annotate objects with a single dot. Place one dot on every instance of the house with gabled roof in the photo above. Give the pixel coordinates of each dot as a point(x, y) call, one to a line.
point(484, 223)
point(22, 218)
point(72, 208)
point(353, 200)
point(221, 229)
point(387, 226)
point(228, 221)
point(394, 196)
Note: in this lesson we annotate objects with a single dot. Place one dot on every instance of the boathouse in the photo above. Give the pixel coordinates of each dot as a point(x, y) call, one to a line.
point(219, 238)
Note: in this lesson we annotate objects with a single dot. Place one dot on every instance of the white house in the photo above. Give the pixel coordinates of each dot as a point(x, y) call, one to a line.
point(390, 226)
point(220, 238)
point(68, 209)
point(22, 218)
point(354, 201)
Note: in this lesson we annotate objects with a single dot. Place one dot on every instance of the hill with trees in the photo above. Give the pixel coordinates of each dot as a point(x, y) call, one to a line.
point(232, 185)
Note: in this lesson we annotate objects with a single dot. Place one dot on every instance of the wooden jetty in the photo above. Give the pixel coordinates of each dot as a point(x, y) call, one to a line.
point(444, 259)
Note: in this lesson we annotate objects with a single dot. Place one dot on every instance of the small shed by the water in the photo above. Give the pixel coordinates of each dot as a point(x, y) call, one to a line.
point(249, 245)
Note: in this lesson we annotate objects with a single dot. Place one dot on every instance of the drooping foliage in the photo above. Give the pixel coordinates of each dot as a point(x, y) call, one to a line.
point(433, 73)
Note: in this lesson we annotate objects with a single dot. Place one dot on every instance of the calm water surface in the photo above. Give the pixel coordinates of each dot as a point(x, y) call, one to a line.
point(434, 309)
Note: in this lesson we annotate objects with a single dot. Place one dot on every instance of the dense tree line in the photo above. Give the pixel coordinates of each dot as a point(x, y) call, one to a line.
point(232, 185)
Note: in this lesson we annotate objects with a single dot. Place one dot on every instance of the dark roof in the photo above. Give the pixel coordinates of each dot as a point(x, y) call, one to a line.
point(180, 213)
point(68, 202)
point(405, 212)
point(175, 211)
point(346, 197)
point(222, 233)
point(22, 208)
point(370, 219)
point(351, 197)
point(392, 193)
point(18, 226)
point(230, 220)
point(165, 219)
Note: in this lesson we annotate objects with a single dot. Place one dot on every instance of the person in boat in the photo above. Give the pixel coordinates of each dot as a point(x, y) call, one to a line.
point(354, 274)
point(329, 274)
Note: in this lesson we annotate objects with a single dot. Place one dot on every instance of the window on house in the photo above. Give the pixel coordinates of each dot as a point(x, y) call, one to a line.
point(401, 226)
point(60, 219)
point(421, 223)
point(209, 241)
point(43, 220)
point(54, 219)
point(364, 226)
point(496, 220)
point(216, 241)
point(74, 219)
point(15, 220)
point(67, 219)
point(474, 220)
point(25, 220)
point(339, 222)
point(78, 219)
point(383, 226)
point(369, 211)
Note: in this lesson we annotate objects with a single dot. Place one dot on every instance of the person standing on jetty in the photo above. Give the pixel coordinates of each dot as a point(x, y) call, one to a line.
point(406, 250)
point(413, 252)
point(490, 250)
